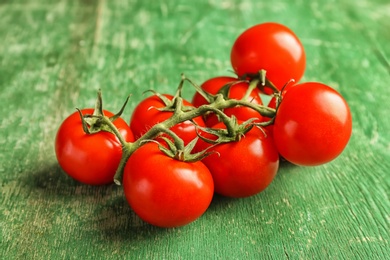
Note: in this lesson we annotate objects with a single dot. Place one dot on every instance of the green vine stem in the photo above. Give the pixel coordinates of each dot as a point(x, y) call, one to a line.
point(178, 117)
point(252, 85)
point(261, 80)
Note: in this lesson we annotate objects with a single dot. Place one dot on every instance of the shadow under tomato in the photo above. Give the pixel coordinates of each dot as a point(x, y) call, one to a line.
point(284, 163)
point(46, 178)
point(98, 210)
point(51, 180)
point(221, 203)
point(118, 221)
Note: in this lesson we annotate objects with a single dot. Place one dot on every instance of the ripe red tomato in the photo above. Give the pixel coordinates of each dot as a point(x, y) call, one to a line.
point(242, 168)
point(272, 47)
point(89, 158)
point(146, 115)
point(313, 124)
point(166, 192)
point(237, 91)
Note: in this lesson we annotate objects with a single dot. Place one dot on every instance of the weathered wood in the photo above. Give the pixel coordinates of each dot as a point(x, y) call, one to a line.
point(54, 55)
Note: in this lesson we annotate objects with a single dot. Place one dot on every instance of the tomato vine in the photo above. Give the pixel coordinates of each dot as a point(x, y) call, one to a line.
point(169, 171)
point(218, 103)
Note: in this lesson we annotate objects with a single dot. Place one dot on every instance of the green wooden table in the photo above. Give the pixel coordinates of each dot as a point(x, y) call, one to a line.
point(55, 55)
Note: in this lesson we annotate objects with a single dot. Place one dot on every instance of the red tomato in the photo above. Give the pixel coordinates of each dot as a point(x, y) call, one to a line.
point(146, 115)
point(243, 168)
point(89, 158)
point(166, 192)
point(313, 124)
point(272, 47)
point(237, 91)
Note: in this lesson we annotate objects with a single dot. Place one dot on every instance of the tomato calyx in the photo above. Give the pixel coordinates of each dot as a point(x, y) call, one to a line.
point(99, 122)
point(222, 93)
point(233, 133)
point(173, 146)
point(175, 103)
point(261, 81)
point(181, 153)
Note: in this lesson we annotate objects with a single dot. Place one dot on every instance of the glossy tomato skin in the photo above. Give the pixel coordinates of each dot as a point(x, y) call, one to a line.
point(272, 47)
point(237, 91)
point(146, 115)
point(313, 124)
point(166, 192)
point(89, 158)
point(242, 168)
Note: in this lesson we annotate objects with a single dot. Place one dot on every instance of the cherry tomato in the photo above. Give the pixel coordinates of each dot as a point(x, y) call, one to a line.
point(272, 47)
point(237, 91)
point(146, 114)
point(166, 192)
point(89, 158)
point(313, 124)
point(242, 168)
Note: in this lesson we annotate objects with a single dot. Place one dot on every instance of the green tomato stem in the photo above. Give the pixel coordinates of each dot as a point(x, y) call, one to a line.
point(266, 82)
point(178, 117)
point(114, 130)
point(252, 85)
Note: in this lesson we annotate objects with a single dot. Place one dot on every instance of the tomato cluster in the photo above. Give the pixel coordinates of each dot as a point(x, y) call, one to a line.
point(174, 154)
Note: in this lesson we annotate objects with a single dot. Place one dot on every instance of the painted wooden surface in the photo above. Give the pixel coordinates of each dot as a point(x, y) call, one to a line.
point(54, 55)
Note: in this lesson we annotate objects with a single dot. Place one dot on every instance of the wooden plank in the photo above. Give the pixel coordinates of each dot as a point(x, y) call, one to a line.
point(55, 55)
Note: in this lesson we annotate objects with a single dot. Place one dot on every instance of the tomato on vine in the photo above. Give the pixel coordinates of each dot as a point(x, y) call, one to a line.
point(271, 47)
point(90, 158)
point(244, 167)
point(150, 111)
point(237, 90)
point(166, 192)
point(313, 124)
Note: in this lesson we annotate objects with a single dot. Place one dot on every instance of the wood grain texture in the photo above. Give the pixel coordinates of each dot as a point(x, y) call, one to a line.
point(54, 55)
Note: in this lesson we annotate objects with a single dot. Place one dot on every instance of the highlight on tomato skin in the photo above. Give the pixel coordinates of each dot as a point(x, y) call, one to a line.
point(272, 47)
point(313, 124)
